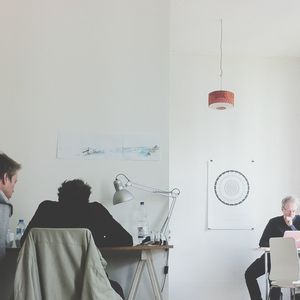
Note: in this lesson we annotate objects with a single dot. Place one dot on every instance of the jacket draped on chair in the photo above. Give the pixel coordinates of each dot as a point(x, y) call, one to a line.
point(61, 264)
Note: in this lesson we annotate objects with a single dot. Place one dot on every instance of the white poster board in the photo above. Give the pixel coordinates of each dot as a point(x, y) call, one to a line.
point(230, 195)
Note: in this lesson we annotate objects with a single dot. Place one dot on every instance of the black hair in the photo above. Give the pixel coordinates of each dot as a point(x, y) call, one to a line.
point(74, 192)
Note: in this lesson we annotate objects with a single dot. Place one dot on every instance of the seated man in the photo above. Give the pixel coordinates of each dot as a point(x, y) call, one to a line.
point(275, 228)
point(73, 210)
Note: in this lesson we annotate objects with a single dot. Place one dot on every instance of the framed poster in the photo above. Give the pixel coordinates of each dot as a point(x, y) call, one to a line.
point(230, 195)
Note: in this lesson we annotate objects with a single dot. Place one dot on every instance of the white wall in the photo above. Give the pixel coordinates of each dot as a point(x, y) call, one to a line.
point(264, 126)
point(95, 66)
point(102, 66)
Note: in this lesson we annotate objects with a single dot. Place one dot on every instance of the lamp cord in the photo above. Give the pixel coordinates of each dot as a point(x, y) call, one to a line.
point(166, 271)
point(221, 54)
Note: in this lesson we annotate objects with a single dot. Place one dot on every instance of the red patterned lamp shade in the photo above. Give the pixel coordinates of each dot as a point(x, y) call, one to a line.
point(221, 100)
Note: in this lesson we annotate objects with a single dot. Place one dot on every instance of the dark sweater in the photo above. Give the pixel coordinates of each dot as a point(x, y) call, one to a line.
point(276, 228)
point(105, 229)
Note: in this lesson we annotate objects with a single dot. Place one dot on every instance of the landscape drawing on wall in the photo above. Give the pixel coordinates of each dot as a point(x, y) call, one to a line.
point(80, 145)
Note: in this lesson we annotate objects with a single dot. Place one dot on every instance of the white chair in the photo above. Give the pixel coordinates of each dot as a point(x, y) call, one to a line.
point(284, 264)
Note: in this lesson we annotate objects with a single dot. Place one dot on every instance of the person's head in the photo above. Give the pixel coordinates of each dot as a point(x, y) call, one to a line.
point(289, 206)
point(74, 192)
point(8, 174)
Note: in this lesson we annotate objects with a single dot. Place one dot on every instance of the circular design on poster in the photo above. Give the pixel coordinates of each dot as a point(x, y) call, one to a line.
point(232, 187)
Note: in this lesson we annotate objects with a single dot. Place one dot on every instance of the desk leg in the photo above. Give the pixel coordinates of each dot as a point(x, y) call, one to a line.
point(266, 275)
point(153, 277)
point(146, 258)
point(136, 279)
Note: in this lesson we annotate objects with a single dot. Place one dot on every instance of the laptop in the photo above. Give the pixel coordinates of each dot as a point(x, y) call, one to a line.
point(294, 234)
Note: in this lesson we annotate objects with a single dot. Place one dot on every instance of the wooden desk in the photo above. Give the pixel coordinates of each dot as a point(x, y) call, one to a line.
point(145, 258)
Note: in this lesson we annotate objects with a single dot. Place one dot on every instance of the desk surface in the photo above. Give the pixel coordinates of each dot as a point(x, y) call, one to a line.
point(267, 249)
point(137, 248)
point(122, 248)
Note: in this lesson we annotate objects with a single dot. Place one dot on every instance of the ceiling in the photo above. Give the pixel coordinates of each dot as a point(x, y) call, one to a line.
point(250, 27)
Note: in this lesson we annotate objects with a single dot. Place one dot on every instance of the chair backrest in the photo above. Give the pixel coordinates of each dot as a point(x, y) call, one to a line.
point(5, 211)
point(284, 259)
point(61, 264)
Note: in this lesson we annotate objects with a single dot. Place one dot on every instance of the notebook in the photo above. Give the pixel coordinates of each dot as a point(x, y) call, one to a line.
point(294, 234)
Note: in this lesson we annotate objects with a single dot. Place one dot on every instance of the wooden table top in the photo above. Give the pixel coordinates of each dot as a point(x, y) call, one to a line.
point(138, 248)
point(123, 248)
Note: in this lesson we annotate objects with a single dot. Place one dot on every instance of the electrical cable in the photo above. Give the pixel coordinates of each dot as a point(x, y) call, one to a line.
point(166, 271)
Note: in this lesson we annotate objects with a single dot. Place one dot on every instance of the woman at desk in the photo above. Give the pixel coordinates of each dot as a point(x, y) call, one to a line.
point(275, 228)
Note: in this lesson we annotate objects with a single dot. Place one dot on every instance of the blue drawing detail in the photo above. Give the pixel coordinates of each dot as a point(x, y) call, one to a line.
point(142, 151)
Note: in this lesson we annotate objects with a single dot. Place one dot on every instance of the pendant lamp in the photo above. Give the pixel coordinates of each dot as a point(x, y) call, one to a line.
point(221, 99)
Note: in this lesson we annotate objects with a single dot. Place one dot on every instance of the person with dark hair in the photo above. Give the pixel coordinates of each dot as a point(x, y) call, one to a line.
point(73, 210)
point(75, 191)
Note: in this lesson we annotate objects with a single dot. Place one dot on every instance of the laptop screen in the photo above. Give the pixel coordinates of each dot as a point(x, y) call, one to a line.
point(294, 234)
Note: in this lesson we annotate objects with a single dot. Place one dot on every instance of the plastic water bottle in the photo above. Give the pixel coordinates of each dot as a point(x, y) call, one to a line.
point(19, 232)
point(142, 223)
point(10, 238)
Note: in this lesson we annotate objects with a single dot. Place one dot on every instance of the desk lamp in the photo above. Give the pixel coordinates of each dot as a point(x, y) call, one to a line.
point(123, 195)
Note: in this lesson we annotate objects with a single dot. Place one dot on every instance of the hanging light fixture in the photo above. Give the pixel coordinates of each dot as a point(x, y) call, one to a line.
point(221, 99)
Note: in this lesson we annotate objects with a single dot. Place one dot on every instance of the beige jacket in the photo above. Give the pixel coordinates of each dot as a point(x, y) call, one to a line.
point(61, 264)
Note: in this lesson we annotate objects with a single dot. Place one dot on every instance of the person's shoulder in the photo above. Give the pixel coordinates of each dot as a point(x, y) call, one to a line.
point(96, 206)
point(48, 203)
point(275, 219)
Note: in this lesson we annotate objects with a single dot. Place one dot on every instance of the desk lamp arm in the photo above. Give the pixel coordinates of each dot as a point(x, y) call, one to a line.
point(173, 194)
